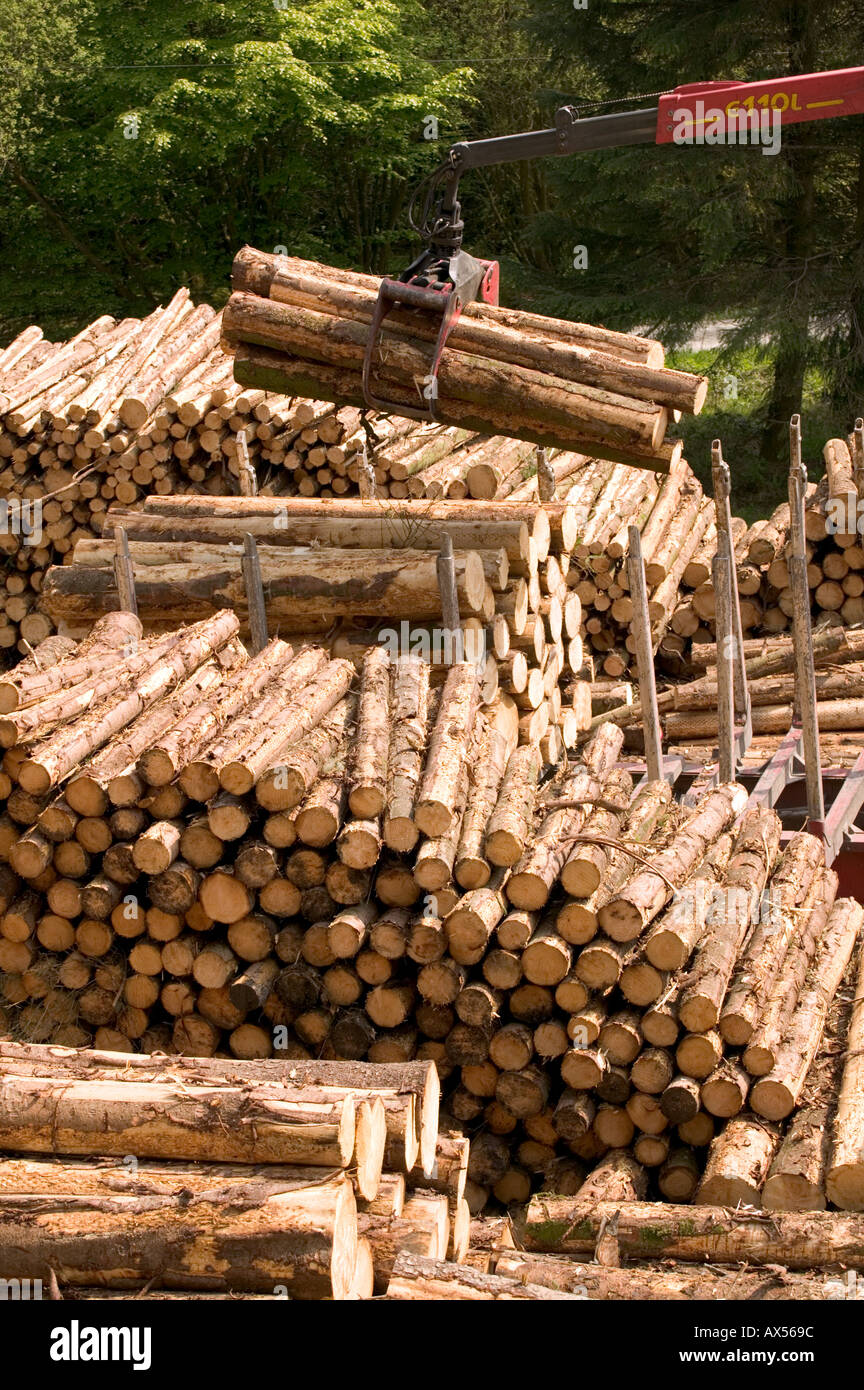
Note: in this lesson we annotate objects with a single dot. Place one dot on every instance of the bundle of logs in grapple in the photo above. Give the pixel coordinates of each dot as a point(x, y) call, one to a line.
point(205, 851)
point(304, 328)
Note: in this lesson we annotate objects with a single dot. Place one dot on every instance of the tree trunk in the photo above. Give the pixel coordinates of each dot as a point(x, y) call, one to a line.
point(779, 923)
point(305, 1239)
point(775, 1096)
point(367, 770)
point(738, 1163)
point(845, 1176)
point(407, 748)
point(625, 915)
point(702, 1234)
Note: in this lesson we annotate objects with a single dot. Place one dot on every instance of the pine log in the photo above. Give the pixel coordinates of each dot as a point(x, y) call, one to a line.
point(626, 914)
point(761, 1051)
point(52, 759)
point(657, 1283)
point(302, 585)
point(472, 869)
point(673, 937)
point(305, 1240)
point(435, 805)
point(549, 421)
point(775, 1096)
point(284, 786)
point(845, 1175)
point(779, 923)
point(410, 697)
point(417, 1279)
point(702, 1234)
point(738, 1163)
point(729, 918)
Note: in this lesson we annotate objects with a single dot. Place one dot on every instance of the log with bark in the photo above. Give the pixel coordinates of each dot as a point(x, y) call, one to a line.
point(501, 365)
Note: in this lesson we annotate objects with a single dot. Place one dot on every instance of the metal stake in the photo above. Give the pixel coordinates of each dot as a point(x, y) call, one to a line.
point(246, 474)
point(366, 474)
point(124, 576)
point(858, 461)
point(640, 626)
point(545, 477)
point(254, 585)
point(724, 603)
point(722, 492)
point(802, 637)
point(445, 567)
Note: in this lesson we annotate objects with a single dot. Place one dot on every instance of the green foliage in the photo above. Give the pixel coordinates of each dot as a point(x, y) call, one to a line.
point(36, 40)
point(143, 141)
point(679, 235)
point(740, 382)
point(205, 125)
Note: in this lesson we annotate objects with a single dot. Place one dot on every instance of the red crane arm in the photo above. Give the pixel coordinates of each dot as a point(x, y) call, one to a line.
point(812, 97)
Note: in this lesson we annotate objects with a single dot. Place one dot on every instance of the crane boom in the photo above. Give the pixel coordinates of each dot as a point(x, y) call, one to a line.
point(444, 278)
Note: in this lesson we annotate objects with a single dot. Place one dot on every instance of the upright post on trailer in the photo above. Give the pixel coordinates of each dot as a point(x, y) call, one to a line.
point(858, 460)
point(366, 474)
point(246, 475)
point(724, 603)
point(254, 585)
point(545, 477)
point(802, 636)
point(124, 576)
point(722, 493)
point(640, 626)
point(446, 570)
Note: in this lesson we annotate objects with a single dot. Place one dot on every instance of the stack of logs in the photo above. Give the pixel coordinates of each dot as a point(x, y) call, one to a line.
point(208, 852)
point(151, 407)
point(331, 1183)
point(679, 541)
point(553, 604)
point(345, 571)
point(688, 710)
point(301, 1180)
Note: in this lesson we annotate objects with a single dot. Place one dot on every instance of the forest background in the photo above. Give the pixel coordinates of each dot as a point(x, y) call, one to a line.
point(143, 141)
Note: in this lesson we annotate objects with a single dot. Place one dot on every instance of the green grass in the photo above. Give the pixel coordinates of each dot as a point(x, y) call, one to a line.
point(758, 484)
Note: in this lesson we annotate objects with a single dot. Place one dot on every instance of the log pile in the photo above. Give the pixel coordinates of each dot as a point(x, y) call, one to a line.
point(208, 854)
point(835, 566)
point(301, 1179)
point(361, 572)
point(150, 407)
point(332, 1183)
point(689, 710)
point(555, 608)
point(299, 327)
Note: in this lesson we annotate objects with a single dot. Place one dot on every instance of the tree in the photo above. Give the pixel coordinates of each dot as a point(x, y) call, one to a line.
point(36, 40)
point(205, 125)
point(677, 235)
